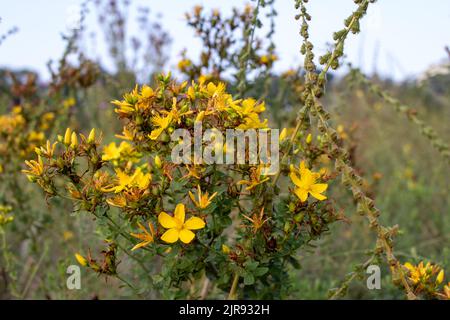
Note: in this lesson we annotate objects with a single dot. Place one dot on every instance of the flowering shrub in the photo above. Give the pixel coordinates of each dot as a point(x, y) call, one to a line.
point(185, 213)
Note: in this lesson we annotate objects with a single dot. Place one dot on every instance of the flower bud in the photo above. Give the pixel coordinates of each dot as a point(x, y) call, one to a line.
point(226, 249)
point(309, 138)
point(73, 140)
point(67, 137)
point(91, 137)
point(283, 134)
point(158, 162)
point(81, 260)
point(440, 277)
point(200, 116)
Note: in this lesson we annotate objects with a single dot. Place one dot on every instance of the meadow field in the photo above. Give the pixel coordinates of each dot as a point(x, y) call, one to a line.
point(94, 206)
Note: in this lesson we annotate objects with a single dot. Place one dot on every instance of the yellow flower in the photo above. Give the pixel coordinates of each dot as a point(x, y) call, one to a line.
point(414, 272)
point(36, 167)
point(175, 113)
point(421, 273)
point(125, 107)
point(146, 92)
point(141, 180)
point(48, 150)
point(111, 152)
point(124, 181)
point(117, 201)
point(126, 135)
point(36, 136)
point(81, 260)
point(257, 220)
point(307, 184)
point(215, 91)
point(248, 107)
point(184, 64)
point(68, 103)
point(67, 235)
point(178, 227)
point(226, 249)
point(268, 59)
point(447, 291)
point(203, 199)
point(253, 122)
point(264, 59)
point(193, 171)
point(124, 151)
point(145, 236)
point(255, 178)
point(161, 124)
point(16, 109)
point(191, 93)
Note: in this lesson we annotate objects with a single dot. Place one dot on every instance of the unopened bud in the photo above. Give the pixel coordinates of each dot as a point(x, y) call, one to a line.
point(67, 137)
point(73, 140)
point(158, 162)
point(91, 137)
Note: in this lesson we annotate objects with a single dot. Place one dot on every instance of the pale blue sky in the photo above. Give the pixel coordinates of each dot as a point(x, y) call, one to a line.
point(407, 36)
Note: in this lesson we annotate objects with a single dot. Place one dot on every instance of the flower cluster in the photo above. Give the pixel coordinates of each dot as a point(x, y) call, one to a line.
point(21, 131)
point(185, 210)
point(426, 280)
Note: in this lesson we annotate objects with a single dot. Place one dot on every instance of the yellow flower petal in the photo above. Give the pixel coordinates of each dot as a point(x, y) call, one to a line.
point(194, 223)
point(440, 277)
point(140, 245)
point(170, 236)
point(318, 196)
point(319, 187)
point(179, 212)
point(191, 195)
point(186, 235)
point(301, 193)
point(156, 133)
point(409, 266)
point(167, 221)
point(302, 167)
point(295, 179)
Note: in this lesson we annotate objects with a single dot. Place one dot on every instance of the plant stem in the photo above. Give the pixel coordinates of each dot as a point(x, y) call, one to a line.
point(232, 295)
point(34, 272)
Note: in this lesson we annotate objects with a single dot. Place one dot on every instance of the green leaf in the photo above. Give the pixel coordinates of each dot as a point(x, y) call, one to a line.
point(249, 279)
point(261, 271)
point(251, 265)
